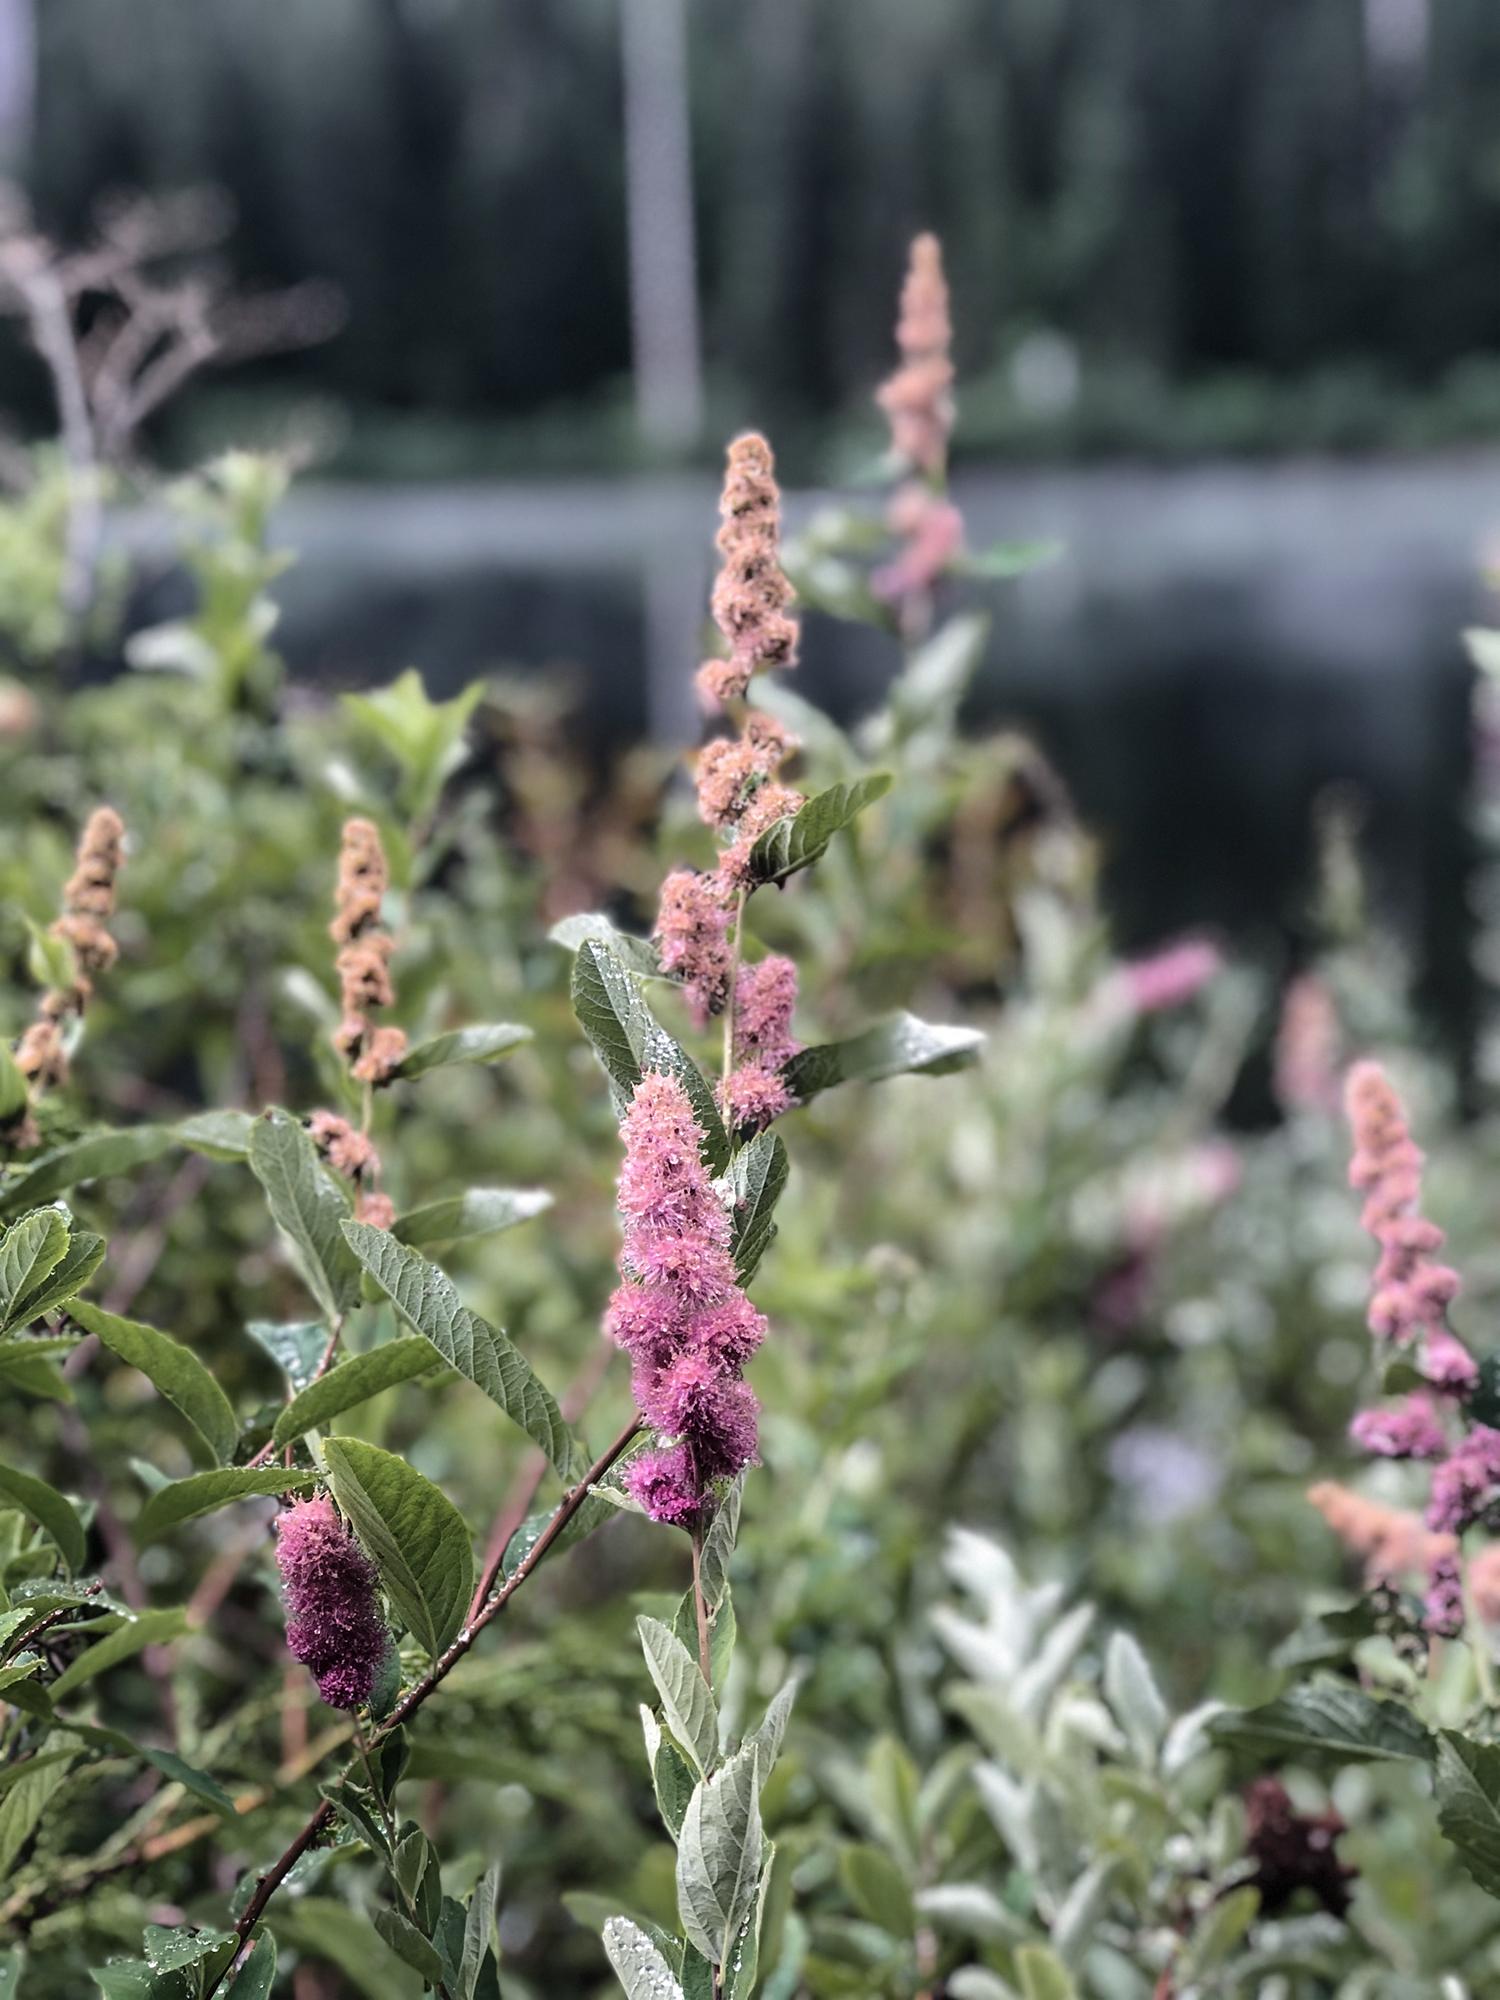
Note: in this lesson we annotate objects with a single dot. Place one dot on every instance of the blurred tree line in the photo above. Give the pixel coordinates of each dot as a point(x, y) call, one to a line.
point(1163, 191)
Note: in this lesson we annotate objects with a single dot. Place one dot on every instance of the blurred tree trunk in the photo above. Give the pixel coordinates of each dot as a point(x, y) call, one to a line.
point(659, 203)
point(17, 80)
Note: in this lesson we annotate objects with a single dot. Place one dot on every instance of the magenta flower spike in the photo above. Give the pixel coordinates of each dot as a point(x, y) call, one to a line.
point(334, 1625)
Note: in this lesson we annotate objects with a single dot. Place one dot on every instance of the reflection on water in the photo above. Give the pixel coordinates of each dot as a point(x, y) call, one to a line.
point(1217, 647)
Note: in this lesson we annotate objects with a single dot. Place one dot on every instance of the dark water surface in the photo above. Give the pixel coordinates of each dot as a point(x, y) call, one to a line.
point(1217, 646)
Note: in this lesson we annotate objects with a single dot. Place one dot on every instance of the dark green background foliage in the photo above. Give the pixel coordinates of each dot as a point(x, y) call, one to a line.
point(1255, 230)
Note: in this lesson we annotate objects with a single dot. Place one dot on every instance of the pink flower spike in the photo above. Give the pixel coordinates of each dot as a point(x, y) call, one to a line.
point(1410, 1430)
point(335, 1628)
point(1448, 1365)
point(1169, 978)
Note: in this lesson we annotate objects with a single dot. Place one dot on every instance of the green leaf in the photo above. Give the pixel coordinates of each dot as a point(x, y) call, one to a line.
point(424, 737)
point(125, 1979)
point(638, 955)
point(768, 1738)
point(202, 1784)
point(203, 1492)
point(926, 695)
point(173, 1950)
point(257, 1975)
point(12, 1962)
point(800, 839)
point(296, 1346)
point(427, 1299)
point(461, 1045)
point(409, 1945)
point(628, 1042)
point(13, 1091)
point(81, 1160)
point(757, 1179)
point(901, 1046)
point(132, 1635)
point(672, 1777)
point(24, 1802)
point(1468, 1803)
point(878, 1889)
point(20, 1669)
point(1043, 1975)
point(83, 1256)
point(1326, 1719)
point(413, 1534)
point(50, 959)
point(308, 1206)
point(330, 1934)
point(718, 1547)
point(1007, 559)
point(476, 1212)
point(174, 1370)
point(643, 1972)
point(686, 1701)
point(47, 1507)
point(353, 1381)
point(1131, 1691)
point(29, 1251)
point(719, 1856)
point(1219, 1930)
point(218, 1135)
point(479, 1931)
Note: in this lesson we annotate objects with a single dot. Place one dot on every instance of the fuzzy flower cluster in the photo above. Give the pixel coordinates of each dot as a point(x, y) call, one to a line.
point(88, 904)
point(372, 1051)
point(751, 593)
point(1164, 980)
point(679, 1311)
point(1411, 1290)
point(1410, 1295)
point(918, 398)
point(334, 1625)
point(352, 1153)
point(918, 401)
point(740, 791)
point(1307, 1046)
point(755, 1092)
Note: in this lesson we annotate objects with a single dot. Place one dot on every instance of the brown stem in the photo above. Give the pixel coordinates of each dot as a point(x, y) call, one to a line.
point(700, 1611)
point(517, 1503)
point(413, 1699)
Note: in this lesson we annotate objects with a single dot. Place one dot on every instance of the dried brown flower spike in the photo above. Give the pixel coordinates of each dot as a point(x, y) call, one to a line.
point(88, 902)
point(365, 946)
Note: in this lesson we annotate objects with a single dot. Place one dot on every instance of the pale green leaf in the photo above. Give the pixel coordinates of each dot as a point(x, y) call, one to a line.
point(638, 955)
point(900, 1046)
point(643, 1972)
point(476, 1212)
point(719, 1855)
point(461, 1045)
point(687, 1703)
